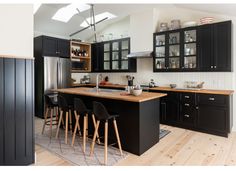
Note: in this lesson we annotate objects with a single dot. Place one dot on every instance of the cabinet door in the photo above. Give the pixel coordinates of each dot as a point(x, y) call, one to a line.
point(205, 50)
point(172, 108)
point(63, 48)
point(97, 55)
point(49, 46)
point(222, 46)
point(212, 118)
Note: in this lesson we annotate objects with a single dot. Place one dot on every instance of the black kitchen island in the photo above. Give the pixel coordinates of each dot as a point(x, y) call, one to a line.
point(138, 121)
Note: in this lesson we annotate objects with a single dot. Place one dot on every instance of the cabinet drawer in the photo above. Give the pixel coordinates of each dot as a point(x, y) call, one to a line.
point(188, 98)
point(212, 99)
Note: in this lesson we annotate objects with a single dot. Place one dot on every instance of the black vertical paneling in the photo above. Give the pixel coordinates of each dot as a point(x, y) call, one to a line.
point(29, 108)
point(1, 112)
point(16, 111)
point(20, 108)
point(9, 111)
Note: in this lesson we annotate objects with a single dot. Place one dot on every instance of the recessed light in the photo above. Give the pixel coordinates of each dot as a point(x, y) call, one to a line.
point(64, 14)
point(36, 7)
point(98, 17)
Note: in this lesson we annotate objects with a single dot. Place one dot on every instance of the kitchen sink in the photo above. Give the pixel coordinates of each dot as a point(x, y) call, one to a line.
point(103, 90)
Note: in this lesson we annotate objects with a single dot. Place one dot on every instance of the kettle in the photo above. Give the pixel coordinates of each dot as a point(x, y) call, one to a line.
point(152, 83)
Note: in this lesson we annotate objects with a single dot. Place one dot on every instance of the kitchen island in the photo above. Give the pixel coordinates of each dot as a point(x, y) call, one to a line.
point(138, 120)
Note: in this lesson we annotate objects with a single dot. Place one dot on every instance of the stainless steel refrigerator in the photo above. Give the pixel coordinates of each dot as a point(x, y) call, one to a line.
point(51, 73)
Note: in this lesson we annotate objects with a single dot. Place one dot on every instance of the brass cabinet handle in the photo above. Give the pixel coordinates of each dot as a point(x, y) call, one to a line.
point(187, 97)
point(211, 98)
point(186, 104)
point(187, 116)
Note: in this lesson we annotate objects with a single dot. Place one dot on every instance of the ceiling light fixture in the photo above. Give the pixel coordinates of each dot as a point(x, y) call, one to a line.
point(36, 7)
point(97, 18)
point(64, 14)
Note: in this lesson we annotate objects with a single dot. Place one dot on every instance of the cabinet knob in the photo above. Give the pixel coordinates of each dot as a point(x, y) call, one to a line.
point(197, 107)
point(211, 66)
point(215, 66)
point(186, 97)
point(187, 116)
point(186, 104)
point(211, 98)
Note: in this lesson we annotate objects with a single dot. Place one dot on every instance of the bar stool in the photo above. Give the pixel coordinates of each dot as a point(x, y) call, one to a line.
point(64, 109)
point(102, 114)
point(51, 106)
point(80, 110)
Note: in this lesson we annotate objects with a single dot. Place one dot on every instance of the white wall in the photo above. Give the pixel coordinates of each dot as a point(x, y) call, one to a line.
point(141, 24)
point(16, 30)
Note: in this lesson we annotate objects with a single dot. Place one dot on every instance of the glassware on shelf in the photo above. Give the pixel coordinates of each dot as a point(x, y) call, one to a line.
point(190, 49)
point(173, 38)
point(107, 47)
point(124, 64)
point(190, 62)
point(106, 65)
point(160, 51)
point(124, 45)
point(190, 36)
point(174, 63)
point(160, 63)
point(160, 40)
point(174, 50)
point(115, 65)
point(115, 46)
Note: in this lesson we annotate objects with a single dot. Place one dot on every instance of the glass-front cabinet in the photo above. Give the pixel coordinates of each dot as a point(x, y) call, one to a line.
point(167, 51)
point(115, 56)
point(175, 50)
point(190, 50)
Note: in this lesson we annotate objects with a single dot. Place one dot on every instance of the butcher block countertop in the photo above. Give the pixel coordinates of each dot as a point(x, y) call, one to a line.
point(203, 91)
point(116, 95)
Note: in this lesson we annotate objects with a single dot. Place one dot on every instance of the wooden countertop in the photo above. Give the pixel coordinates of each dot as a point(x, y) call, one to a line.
point(145, 96)
point(203, 91)
point(105, 86)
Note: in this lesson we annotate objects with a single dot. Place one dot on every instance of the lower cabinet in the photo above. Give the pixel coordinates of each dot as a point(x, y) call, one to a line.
point(200, 112)
point(170, 109)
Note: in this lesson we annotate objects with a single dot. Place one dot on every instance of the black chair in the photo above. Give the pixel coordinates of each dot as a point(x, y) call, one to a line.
point(102, 114)
point(80, 110)
point(51, 106)
point(65, 109)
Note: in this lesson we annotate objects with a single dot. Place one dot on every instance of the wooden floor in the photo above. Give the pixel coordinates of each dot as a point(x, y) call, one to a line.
point(180, 147)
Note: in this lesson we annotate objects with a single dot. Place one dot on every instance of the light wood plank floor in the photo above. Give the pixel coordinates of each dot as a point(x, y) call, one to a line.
point(180, 147)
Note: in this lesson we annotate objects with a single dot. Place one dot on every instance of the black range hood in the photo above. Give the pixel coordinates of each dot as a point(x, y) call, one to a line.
point(143, 54)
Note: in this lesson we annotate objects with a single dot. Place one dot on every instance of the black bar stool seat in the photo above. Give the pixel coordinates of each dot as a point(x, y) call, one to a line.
point(81, 110)
point(102, 114)
point(52, 107)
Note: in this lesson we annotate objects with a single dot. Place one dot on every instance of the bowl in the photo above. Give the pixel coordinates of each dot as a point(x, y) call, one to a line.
point(173, 85)
point(136, 92)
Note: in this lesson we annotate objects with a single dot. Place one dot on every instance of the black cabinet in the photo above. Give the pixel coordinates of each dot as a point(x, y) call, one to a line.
point(208, 113)
point(170, 108)
point(16, 111)
point(111, 56)
point(213, 114)
point(200, 48)
point(51, 46)
point(215, 47)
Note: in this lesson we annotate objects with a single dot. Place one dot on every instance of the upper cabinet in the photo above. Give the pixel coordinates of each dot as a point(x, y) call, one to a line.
point(200, 48)
point(51, 46)
point(215, 47)
point(111, 56)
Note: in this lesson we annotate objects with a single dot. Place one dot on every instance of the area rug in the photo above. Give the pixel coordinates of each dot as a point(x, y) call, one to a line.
point(75, 154)
point(163, 133)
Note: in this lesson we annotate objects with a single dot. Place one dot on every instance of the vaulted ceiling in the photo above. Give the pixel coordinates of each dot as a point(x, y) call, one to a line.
point(43, 22)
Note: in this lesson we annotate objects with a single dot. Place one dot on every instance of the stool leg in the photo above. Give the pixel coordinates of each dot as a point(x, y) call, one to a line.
point(59, 124)
point(87, 126)
point(45, 119)
point(75, 130)
point(76, 115)
point(84, 133)
point(57, 120)
point(52, 109)
point(117, 136)
point(70, 121)
point(94, 137)
point(105, 142)
point(66, 130)
point(94, 123)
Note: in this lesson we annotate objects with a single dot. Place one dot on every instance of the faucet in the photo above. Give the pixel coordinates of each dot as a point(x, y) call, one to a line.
point(97, 81)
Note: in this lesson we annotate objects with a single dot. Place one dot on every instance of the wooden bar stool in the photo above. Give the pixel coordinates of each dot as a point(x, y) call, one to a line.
point(64, 110)
point(52, 108)
point(80, 110)
point(102, 114)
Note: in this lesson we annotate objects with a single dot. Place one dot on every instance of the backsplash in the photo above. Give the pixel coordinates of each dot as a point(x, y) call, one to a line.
point(213, 80)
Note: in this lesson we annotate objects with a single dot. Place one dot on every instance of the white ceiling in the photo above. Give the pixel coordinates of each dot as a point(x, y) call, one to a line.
point(43, 22)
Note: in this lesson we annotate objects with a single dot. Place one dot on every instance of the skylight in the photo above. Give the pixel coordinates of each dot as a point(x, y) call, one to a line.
point(64, 14)
point(98, 17)
point(36, 7)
